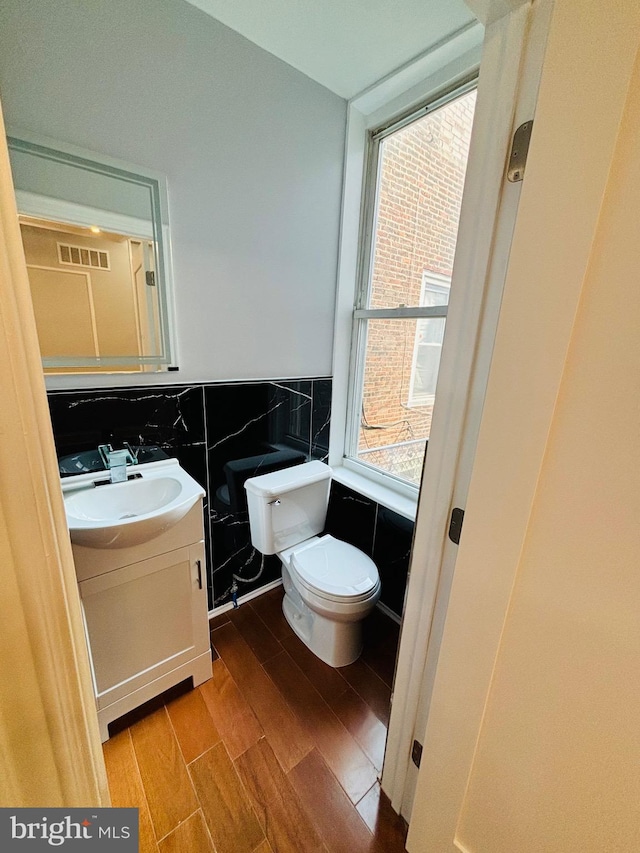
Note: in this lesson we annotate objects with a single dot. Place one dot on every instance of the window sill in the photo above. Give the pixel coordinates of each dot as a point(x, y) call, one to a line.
point(384, 495)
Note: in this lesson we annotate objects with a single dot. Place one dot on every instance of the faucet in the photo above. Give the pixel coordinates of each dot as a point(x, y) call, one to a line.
point(116, 461)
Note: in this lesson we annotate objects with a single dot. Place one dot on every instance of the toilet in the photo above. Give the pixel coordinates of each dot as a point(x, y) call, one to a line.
point(330, 586)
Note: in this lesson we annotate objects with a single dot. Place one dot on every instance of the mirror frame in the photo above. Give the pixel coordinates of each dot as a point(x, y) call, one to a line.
point(44, 207)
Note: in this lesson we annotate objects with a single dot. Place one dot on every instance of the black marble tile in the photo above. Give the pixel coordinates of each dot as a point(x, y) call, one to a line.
point(290, 415)
point(237, 423)
point(391, 553)
point(351, 517)
point(242, 571)
point(169, 417)
point(321, 418)
point(205, 427)
point(251, 429)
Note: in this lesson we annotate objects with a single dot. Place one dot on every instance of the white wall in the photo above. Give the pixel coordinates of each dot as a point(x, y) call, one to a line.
point(252, 150)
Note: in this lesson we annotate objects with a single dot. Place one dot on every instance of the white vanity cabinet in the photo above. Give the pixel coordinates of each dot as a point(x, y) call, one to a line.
point(146, 617)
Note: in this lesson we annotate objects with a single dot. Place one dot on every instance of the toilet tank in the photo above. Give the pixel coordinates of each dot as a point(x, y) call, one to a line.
point(288, 506)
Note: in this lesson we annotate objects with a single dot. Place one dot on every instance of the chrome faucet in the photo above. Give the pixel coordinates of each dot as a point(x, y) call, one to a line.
point(116, 462)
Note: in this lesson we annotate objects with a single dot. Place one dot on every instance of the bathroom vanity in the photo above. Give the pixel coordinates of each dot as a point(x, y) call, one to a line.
point(140, 563)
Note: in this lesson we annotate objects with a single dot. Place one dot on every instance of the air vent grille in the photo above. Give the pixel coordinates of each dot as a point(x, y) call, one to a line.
point(83, 256)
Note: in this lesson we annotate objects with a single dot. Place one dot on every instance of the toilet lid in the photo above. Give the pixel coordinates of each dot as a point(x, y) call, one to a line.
point(335, 568)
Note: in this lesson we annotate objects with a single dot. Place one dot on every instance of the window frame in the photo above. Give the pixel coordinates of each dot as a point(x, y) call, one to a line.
point(361, 314)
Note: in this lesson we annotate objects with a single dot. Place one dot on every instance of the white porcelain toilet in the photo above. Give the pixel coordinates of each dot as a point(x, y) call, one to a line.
point(330, 586)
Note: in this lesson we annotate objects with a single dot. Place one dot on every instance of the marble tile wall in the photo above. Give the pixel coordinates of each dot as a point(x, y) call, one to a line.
point(205, 427)
point(210, 425)
point(381, 533)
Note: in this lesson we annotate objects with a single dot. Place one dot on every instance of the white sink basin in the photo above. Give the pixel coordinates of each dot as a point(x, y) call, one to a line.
point(118, 515)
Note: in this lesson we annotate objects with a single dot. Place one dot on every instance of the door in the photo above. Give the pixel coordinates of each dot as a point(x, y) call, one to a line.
point(531, 736)
point(50, 745)
point(63, 307)
point(509, 79)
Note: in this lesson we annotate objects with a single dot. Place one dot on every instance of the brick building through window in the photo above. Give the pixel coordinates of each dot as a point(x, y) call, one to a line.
point(420, 178)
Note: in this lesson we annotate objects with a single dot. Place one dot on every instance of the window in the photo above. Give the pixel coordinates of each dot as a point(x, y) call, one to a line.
point(428, 342)
point(413, 195)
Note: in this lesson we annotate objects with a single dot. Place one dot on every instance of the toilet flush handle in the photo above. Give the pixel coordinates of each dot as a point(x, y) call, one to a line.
point(276, 502)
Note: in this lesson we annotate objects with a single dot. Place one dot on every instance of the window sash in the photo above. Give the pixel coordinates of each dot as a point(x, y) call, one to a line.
point(362, 313)
point(413, 115)
point(358, 368)
point(371, 184)
point(401, 311)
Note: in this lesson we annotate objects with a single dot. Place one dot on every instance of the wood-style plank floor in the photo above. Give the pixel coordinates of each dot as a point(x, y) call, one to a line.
point(277, 753)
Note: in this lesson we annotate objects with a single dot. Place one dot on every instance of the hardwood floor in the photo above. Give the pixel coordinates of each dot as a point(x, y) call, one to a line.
point(277, 753)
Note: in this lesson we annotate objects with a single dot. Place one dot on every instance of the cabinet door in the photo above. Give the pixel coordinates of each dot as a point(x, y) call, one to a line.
point(144, 620)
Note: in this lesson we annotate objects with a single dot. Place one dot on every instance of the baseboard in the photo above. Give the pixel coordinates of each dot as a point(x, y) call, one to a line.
point(247, 597)
point(388, 612)
point(267, 587)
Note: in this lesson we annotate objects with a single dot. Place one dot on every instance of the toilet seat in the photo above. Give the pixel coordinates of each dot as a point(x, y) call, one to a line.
point(335, 570)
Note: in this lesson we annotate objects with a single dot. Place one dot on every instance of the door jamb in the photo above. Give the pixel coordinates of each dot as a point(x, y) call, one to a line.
point(486, 226)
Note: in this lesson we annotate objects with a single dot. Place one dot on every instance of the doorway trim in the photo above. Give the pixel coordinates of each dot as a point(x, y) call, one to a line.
point(48, 723)
point(507, 90)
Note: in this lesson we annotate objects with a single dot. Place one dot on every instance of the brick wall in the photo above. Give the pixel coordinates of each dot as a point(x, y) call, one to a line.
point(420, 192)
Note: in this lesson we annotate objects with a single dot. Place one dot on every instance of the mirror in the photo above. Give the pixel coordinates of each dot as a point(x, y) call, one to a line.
point(96, 239)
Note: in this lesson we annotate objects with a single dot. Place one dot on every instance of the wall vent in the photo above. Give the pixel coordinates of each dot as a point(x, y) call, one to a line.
point(83, 256)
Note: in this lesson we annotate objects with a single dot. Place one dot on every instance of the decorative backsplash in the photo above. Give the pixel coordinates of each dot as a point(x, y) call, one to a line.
point(205, 427)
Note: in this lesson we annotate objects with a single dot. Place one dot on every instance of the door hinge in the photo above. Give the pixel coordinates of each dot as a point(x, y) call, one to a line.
point(519, 151)
point(416, 753)
point(455, 525)
point(150, 278)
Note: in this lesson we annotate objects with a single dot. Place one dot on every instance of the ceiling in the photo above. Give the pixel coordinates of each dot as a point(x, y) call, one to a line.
point(346, 45)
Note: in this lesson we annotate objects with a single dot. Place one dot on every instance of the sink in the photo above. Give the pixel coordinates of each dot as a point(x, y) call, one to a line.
point(117, 515)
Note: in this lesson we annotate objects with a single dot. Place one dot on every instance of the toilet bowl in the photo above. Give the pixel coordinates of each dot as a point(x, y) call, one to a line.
point(330, 585)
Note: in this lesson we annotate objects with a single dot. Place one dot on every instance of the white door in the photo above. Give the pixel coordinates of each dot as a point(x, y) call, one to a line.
point(509, 78)
point(531, 738)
